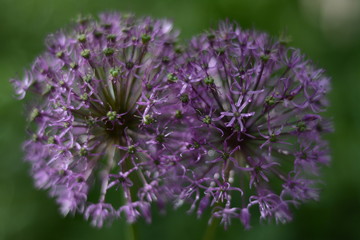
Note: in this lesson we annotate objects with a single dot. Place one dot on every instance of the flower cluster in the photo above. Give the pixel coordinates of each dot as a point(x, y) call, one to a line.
point(101, 116)
point(122, 117)
point(256, 129)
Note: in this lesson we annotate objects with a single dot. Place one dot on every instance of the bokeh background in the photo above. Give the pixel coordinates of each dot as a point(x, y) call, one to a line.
point(326, 30)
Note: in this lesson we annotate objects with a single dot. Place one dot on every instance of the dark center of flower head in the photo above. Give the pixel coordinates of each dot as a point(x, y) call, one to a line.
point(112, 110)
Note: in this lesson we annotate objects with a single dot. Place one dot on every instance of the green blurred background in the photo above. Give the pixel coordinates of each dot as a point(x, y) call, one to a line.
point(326, 30)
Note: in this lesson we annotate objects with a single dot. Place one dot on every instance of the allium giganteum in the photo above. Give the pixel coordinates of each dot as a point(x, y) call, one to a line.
point(122, 118)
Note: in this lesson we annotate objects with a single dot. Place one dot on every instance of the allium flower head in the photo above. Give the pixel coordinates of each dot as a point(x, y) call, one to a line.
point(100, 116)
point(118, 111)
point(257, 136)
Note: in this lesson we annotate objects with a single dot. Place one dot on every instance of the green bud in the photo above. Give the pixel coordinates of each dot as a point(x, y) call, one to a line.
point(148, 86)
point(85, 53)
point(211, 37)
point(114, 72)
point(301, 126)
point(145, 38)
point(179, 50)
point(90, 121)
point(107, 25)
point(83, 19)
point(129, 65)
point(83, 152)
point(171, 77)
point(48, 89)
point(132, 149)
point(184, 98)
point(225, 156)
point(65, 67)
point(258, 169)
point(220, 51)
point(51, 140)
point(74, 65)
point(126, 29)
point(273, 138)
point(207, 119)
point(178, 114)
point(270, 100)
point(209, 80)
point(108, 52)
point(111, 37)
point(34, 114)
point(196, 145)
point(149, 28)
point(265, 58)
point(35, 137)
point(87, 78)
point(160, 138)
point(165, 60)
point(111, 115)
point(97, 34)
point(60, 54)
point(148, 119)
point(81, 38)
point(84, 97)
point(80, 179)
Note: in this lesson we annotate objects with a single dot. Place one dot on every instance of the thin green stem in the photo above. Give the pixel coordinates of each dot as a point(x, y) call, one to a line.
point(132, 233)
point(210, 232)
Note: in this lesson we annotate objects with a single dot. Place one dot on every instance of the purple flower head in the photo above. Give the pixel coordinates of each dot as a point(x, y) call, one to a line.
point(228, 125)
point(254, 106)
point(101, 116)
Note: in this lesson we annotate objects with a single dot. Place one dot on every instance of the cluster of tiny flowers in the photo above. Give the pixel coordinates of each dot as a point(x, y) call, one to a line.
point(122, 117)
point(256, 132)
point(101, 118)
